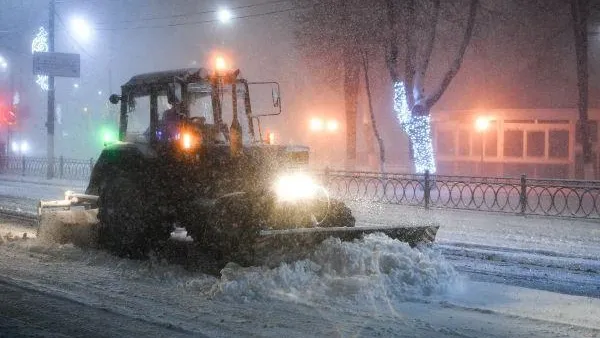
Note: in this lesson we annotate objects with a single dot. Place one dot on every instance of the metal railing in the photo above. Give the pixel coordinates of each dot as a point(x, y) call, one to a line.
point(64, 168)
point(564, 198)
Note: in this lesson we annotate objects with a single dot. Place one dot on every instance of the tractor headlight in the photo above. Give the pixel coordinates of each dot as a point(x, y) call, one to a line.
point(295, 187)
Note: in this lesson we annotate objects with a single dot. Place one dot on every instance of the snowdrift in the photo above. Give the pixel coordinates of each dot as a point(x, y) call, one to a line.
point(373, 268)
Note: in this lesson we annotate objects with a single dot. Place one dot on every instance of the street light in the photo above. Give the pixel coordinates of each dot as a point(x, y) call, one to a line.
point(81, 28)
point(316, 124)
point(3, 63)
point(482, 123)
point(224, 15)
point(332, 125)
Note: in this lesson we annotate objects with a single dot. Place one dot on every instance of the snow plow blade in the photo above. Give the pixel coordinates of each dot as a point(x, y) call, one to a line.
point(412, 235)
point(291, 244)
point(72, 220)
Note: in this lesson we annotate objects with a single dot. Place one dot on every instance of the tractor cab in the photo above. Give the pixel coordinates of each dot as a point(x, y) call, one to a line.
point(190, 109)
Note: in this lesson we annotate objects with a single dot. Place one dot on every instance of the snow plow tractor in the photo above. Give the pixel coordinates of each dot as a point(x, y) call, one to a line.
point(191, 155)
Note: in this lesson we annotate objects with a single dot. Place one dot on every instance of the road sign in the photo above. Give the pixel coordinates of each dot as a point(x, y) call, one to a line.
point(56, 64)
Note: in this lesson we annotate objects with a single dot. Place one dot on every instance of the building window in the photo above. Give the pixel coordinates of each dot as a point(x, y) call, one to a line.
point(445, 142)
point(558, 144)
point(536, 143)
point(463, 143)
point(513, 143)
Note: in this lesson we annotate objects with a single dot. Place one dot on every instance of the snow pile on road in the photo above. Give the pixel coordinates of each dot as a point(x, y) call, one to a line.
point(371, 269)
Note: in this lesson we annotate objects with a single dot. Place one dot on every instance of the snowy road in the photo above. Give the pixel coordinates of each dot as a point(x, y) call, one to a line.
point(298, 300)
point(29, 312)
point(487, 275)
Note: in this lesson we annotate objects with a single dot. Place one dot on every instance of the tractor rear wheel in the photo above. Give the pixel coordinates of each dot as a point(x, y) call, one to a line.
point(130, 225)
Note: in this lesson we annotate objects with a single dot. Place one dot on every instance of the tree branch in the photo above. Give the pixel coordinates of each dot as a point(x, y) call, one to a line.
point(365, 64)
point(420, 78)
point(411, 52)
point(455, 67)
point(392, 53)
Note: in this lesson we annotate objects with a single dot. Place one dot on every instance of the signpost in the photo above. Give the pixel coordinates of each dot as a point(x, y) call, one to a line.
point(56, 64)
point(53, 64)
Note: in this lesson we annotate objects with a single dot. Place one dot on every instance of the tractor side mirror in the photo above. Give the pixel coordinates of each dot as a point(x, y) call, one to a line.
point(114, 99)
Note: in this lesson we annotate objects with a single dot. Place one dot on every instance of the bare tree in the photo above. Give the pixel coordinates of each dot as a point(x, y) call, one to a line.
point(331, 33)
point(409, 77)
point(365, 66)
point(580, 10)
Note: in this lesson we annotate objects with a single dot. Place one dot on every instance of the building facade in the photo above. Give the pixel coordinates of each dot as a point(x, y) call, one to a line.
point(541, 143)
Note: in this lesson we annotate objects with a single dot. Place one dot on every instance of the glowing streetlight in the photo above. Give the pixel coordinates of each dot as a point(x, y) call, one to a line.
point(20, 147)
point(482, 124)
point(224, 15)
point(3, 63)
point(316, 124)
point(75, 85)
point(332, 125)
point(81, 28)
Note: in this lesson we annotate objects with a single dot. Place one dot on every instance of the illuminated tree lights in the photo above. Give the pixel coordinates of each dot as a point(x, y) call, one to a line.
point(40, 44)
point(418, 128)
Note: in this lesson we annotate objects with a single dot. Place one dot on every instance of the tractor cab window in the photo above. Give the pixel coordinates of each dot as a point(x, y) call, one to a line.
point(227, 105)
point(200, 102)
point(202, 105)
point(138, 117)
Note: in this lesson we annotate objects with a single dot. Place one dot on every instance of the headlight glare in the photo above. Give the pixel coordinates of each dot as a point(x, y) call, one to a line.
point(294, 187)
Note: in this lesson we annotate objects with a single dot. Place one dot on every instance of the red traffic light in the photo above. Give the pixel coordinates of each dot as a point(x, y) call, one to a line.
point(7, 117)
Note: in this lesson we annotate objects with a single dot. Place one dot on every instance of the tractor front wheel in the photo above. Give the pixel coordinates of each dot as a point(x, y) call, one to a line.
point(130, 224)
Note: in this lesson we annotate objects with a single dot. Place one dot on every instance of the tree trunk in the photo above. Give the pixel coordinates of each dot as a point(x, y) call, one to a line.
point(365, 64)
point(579, 14)
point(409, 94)
point(351, 83)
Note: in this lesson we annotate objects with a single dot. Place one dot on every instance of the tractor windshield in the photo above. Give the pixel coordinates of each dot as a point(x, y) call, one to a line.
point(212, 104)
point(218, 103)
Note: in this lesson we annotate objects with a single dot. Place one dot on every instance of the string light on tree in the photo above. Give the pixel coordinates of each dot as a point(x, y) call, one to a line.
point(40, 44)
point(417, 124)
point(401, 104)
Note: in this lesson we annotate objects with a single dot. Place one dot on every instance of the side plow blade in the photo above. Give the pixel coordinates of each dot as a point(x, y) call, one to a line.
point(72, 220)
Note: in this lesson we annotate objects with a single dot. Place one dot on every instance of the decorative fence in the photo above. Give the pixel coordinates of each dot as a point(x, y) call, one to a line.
point(31, 166)
point(565, 198)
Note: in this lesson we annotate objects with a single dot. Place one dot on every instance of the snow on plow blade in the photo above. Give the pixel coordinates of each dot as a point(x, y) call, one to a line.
point(291, 244)
point(72, 220)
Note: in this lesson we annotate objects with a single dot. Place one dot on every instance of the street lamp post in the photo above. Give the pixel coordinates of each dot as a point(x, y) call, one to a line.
point(51, 112)
point(481, 125)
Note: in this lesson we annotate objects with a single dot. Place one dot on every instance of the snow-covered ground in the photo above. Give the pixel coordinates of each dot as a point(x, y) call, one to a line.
point(373, 287)
point(487, 275)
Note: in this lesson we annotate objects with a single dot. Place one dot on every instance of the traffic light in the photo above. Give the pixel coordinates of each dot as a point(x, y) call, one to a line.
point(7, 115)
